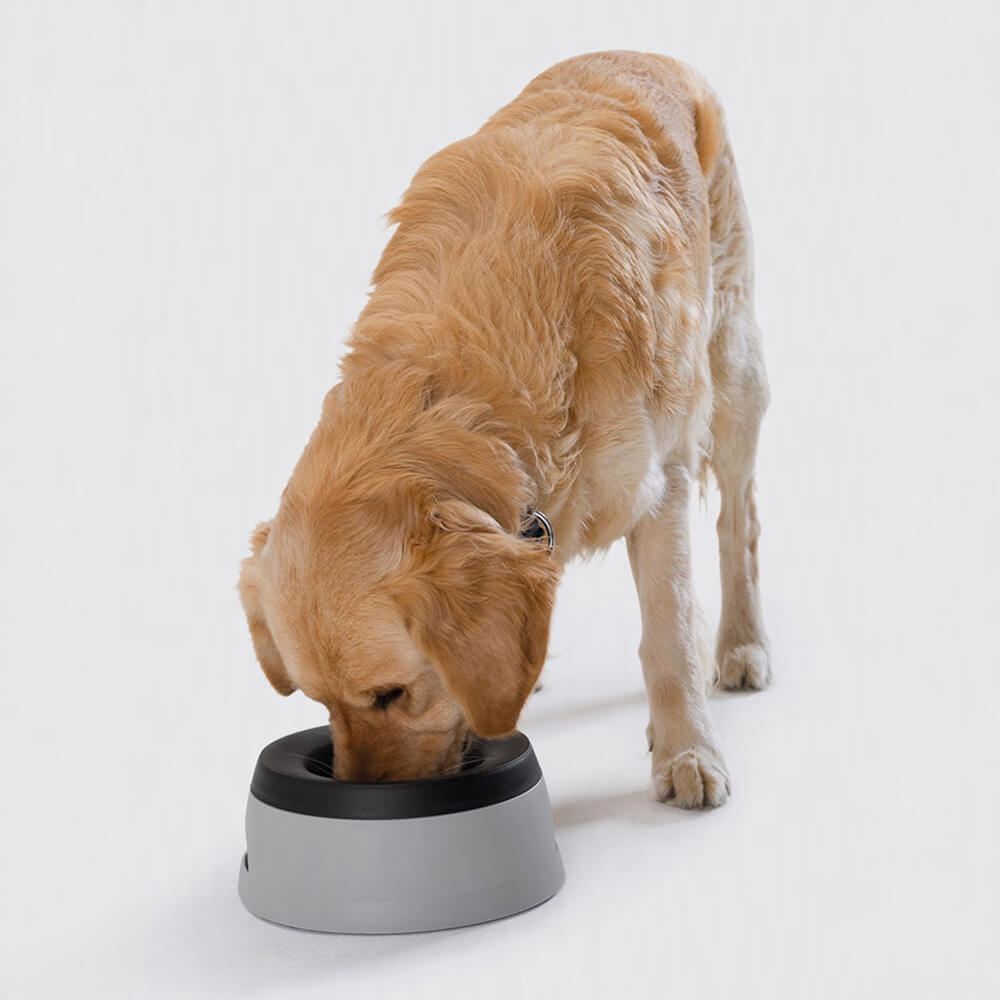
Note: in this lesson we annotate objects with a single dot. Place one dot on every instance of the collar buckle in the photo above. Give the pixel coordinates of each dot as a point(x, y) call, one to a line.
point(535, 525)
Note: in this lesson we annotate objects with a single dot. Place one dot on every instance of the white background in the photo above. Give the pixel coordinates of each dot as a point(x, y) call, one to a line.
point(191, 198)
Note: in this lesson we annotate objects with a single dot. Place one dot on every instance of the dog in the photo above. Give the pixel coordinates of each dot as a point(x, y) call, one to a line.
point(559, 346)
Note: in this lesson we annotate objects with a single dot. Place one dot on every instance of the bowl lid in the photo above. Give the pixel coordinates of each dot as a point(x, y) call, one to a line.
point(295, 774)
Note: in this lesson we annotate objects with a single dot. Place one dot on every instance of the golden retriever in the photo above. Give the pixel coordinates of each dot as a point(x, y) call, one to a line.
point(562, 322)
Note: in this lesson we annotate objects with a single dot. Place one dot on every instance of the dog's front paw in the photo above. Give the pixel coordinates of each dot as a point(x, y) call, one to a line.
point(695, 778)
point(745, 667)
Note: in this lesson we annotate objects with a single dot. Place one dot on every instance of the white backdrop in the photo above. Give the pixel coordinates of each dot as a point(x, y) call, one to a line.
point(190, 208)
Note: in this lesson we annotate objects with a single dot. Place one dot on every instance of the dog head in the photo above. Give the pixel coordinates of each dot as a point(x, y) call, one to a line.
point(415, 620)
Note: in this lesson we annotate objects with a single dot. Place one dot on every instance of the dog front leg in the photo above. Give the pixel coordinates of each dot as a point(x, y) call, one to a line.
point(688, 766)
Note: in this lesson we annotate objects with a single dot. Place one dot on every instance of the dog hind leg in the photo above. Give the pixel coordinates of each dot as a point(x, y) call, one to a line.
point(740, 397)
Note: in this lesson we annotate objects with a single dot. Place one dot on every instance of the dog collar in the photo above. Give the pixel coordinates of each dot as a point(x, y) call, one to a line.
point(535, 525)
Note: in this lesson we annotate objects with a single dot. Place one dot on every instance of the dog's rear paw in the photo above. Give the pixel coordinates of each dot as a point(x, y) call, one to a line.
point(745, 667)
point(692, 779)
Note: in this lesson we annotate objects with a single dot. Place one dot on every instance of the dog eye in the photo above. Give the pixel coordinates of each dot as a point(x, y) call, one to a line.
point(385, 698)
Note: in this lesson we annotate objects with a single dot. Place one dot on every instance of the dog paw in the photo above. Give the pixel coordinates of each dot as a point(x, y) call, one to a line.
point(745, 667)
point(692, 779)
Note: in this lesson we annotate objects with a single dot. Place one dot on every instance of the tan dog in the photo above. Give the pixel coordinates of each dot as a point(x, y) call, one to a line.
point(562, 321)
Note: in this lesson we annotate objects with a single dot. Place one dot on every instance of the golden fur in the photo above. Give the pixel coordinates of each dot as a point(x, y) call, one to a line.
point(561, 320)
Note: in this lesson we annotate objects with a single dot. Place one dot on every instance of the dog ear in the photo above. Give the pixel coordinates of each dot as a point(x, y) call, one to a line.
point(263, 642)
point(478, 603)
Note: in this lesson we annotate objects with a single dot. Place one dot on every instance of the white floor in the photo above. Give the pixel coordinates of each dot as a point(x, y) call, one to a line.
point(857, 856)
point(189, 239)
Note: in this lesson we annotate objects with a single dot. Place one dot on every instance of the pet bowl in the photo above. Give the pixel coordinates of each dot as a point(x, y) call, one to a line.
point(383, 858)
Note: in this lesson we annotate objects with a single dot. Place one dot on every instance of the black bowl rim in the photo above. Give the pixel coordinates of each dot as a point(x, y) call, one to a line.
point(283, 779)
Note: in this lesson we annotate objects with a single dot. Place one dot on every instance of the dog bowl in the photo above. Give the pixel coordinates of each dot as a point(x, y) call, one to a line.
point(391, 857)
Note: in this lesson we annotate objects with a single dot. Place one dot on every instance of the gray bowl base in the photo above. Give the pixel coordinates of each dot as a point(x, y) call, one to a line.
point(391, 876)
